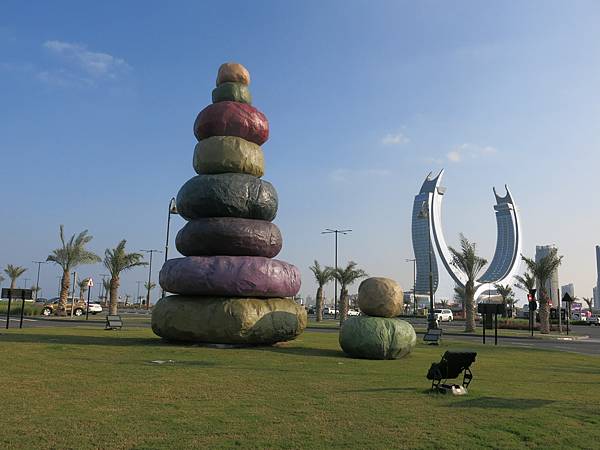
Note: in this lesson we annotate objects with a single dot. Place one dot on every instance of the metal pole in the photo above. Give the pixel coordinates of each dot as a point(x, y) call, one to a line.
point(496, 329)
point(483, 317)
point(8, 310)
point(137, 299)
point(22, 308)
point(87, 312)
point(335, 303)
point(568, 317)
point(432, 324)
point(37, 283)
point(559, 311)
point(149, 281)
point(25, 283)
point(171, 202)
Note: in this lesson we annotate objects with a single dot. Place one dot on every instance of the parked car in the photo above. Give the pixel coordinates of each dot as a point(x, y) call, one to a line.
point(311, 310)
point(50, 307)
point(353, 312)
point(594, 320)
point(443, 315)
point(95, 308)
point(330, 311)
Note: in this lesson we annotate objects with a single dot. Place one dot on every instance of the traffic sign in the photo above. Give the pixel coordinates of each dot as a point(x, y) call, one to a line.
point(90, 283)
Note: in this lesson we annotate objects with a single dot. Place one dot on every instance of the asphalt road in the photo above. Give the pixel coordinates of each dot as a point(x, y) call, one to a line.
point(590, 346)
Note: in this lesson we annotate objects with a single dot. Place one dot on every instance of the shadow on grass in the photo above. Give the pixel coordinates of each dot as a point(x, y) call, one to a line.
point(304, 351)
point(111, 338)
point(390, 389)
point(504, 403)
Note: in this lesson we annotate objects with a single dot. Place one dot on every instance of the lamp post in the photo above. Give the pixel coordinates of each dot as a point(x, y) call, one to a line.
point(37, 283)
point(424, 214)
point(414, 261)
point(172, 210)
point(152, 251)
point(336, 232)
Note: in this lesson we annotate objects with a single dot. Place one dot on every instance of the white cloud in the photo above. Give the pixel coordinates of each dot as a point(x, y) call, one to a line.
point(454, 156)
point(395, 139)
point(344, 175)
point(83, 64)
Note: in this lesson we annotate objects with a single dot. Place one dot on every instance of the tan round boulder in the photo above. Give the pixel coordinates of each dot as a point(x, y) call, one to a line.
point(380, 297)
point(233, 72)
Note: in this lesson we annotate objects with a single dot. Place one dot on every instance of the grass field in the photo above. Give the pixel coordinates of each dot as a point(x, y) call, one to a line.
point(85, 388)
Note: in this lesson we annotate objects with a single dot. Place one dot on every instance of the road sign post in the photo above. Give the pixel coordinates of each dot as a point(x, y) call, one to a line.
point(568, 300)
point(25, 294)
point(90, 284)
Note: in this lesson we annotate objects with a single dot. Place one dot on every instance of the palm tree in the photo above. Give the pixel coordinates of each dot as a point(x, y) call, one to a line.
point(14, 272)
point(149, 286)
point(323, 275)
point(542, 270)
point(525, 282)
point(83, 287)
point(507, 294)
point(116, 260)
point(1, 279)
point(106, 286)
point(71, 254)
point(466, 259)
point(588, 301)
point(346, 277)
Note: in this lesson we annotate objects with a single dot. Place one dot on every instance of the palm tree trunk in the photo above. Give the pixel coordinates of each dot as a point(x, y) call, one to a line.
point(13, 283)
point(319, 304)
point(65, 284)
point(114, 295)
point(544, 314)
point(343, 304)
point(469, 309)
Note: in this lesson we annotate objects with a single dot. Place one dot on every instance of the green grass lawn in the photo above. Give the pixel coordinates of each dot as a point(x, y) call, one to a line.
point(84, 388)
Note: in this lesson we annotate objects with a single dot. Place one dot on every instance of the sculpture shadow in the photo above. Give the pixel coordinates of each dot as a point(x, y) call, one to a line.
point(502, 403)
point(304, 351)
point(67, 339)
point(384, 389)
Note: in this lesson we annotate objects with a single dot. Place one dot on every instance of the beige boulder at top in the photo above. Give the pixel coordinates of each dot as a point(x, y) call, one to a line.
point(233, 72)
point(380, 297)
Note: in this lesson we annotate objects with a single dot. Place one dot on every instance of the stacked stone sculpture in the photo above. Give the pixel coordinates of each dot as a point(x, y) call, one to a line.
point(378, 333)
point(228, 288)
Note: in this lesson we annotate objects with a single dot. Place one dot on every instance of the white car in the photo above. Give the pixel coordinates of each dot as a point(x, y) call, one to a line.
point(594, 320)
point(353, 312)
point(95, 308)
point(330, 311)
point(443, 315)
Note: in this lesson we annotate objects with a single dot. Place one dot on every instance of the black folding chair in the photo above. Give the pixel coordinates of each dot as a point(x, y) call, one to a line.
point(452, 365)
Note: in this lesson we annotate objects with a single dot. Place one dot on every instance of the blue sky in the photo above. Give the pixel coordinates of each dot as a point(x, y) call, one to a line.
point(363, 98)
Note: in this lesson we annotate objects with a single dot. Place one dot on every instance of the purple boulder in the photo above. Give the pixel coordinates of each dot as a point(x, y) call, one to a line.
point(230, 236)
point(236, 276)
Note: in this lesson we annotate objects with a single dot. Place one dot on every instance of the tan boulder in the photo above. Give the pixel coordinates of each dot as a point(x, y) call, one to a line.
point(233, 72)
point(223, 154)
point(380, 297)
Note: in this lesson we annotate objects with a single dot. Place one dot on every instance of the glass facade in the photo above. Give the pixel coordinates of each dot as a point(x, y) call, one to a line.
point(505, 245)
point(421, 244)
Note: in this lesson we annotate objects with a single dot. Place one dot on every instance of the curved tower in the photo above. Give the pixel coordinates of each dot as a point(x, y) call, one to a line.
point(505, 263)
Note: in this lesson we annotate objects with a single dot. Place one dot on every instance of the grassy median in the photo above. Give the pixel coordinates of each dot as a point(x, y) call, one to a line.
point(85, 388)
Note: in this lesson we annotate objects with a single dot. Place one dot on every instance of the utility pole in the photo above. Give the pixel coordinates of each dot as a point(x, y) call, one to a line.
point(152, 251)
point(414, 261)
point(37, 283)
point(336, 232)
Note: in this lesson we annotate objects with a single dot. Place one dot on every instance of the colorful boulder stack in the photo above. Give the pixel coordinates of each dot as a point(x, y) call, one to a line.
point(228, 288)
point(378, 333)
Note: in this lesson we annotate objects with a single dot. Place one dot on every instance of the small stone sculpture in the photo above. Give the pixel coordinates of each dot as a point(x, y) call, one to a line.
point(378, 333)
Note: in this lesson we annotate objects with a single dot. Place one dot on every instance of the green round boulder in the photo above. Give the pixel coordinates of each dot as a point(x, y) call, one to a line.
point(377, 337)
point(228, 154)
point(232, 92)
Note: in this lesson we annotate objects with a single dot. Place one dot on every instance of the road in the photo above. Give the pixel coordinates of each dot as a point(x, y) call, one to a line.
point(590, 346)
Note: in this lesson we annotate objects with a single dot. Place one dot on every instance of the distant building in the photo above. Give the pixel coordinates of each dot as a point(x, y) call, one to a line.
point(552, 283)
point(567, 288)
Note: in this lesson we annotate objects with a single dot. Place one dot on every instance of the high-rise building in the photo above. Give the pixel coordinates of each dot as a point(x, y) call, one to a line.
point(422, 240)
point(567, 288)
point(552, 283)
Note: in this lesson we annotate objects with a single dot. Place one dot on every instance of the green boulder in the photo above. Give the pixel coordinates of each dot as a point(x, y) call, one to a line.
point(377, 337)
point(228, 320)
point(234, 92)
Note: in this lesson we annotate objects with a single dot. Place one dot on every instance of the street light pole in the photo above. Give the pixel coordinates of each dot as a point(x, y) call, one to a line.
point(37, 283)
point(336, 232)
point(172, 210)
point(152, 251)
point(414, 261)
